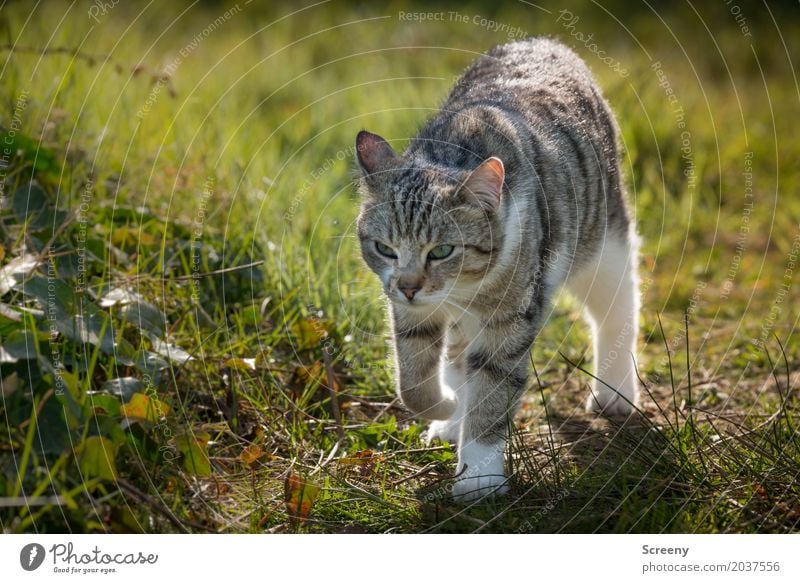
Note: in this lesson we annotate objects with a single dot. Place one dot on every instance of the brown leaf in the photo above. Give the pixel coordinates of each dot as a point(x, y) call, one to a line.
point(364, 461)
point(300, 496)
point(251, 453)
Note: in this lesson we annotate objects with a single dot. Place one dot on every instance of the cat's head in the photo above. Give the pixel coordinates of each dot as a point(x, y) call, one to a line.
point(429, 232)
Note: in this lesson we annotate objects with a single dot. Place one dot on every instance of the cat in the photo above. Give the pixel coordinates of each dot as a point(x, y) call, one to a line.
point(510, 191)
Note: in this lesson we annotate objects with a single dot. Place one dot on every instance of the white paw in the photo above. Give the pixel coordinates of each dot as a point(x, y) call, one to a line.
point(470, 489)
point(481, 471)
point(443, 430)
point(609, 403)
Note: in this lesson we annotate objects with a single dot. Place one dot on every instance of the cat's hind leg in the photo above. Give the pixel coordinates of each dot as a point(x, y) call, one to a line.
point(609, 290)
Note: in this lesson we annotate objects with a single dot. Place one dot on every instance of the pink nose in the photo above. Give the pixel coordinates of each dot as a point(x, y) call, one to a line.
point(409, 286)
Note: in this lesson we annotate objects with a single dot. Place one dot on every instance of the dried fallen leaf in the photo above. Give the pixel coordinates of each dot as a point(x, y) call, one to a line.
point(365, 461)
point(251, 453)
point(300, 496)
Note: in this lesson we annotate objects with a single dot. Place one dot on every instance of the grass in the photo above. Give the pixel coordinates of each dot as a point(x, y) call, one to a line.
point(206, 177)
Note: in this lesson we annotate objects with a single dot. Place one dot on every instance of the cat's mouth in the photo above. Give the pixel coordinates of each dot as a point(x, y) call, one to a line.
point(418, 301)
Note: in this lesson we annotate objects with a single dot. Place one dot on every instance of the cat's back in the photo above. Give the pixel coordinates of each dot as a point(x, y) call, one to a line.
point(523, 69)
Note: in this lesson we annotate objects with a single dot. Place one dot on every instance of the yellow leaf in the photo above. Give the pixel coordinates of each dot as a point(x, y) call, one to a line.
point(300, 496)
point(96, 458)
point(310, 332)
point(143, 407)
point(251, 453)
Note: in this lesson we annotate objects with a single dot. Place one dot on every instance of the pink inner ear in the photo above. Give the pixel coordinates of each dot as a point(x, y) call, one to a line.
point(374, 153)
point(485, 183)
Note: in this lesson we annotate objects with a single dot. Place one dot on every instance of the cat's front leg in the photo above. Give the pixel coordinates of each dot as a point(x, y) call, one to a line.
point(453, 379)
point(497, 373)
point(419, 343)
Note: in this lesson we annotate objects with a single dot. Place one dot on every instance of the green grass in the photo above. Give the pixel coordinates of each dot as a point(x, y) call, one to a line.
point(215, 176)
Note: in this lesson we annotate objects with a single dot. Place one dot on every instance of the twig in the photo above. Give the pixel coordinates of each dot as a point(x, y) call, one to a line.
point(164, 277)
point(215, 272)
point(184, 525)
point(417, 474)
point(21, 501)
point(337, 415)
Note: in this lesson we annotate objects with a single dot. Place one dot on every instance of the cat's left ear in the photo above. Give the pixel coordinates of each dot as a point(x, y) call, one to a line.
point(374, 153)
point(484, 186)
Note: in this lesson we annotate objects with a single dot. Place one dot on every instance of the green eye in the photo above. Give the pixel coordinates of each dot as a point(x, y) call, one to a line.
point(440, 252)
point(385, 250)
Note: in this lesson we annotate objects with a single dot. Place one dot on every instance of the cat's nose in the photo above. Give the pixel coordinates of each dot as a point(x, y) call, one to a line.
point(409, 286)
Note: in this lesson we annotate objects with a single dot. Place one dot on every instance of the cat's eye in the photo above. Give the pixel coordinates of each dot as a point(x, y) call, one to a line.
point(385, 250)
point(440, 252)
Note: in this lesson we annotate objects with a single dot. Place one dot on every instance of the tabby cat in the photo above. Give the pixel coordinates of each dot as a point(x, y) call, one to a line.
point(510, 191)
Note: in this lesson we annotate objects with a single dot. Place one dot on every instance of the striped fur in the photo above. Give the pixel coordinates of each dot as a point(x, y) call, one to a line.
point(462, 342)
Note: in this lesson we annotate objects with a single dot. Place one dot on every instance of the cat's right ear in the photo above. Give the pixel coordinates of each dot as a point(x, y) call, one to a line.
point(484, 186)
point(374, 154)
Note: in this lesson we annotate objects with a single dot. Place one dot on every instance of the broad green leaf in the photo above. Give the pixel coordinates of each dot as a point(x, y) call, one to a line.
point(66, 390)
point(174, 353)
point(19, 345)
point(28, 201)
point(101, 404)
point(145, 316)
point(118, 296)
point(31, 151)
point(123, 387)
point(151, 364)
point(66, 380)
point(31, 207)
point(54, 433)
point(195, 457)
point(77, 318)
point(96, 458)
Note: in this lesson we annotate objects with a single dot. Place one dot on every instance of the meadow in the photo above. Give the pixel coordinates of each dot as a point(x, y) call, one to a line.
point(190, 342)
